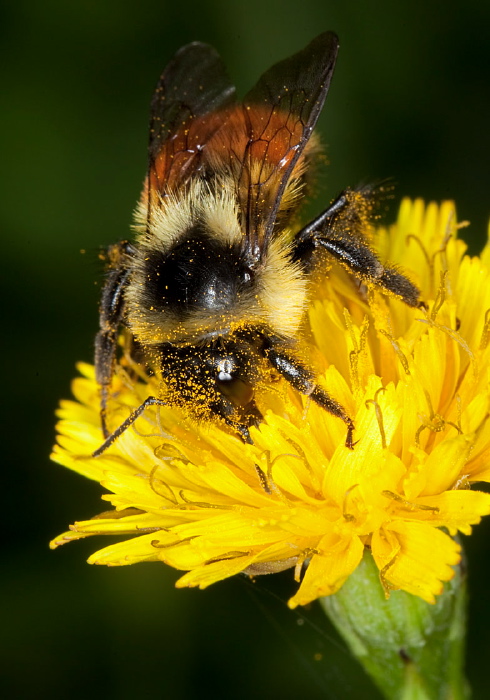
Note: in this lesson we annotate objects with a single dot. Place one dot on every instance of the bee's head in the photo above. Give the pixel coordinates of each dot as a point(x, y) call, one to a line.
point(218, 377)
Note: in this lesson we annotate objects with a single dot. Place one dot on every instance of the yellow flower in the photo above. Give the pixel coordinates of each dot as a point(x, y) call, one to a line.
point(416, 382)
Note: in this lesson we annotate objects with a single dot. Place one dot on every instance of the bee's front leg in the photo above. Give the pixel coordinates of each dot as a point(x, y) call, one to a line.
point(303, 380)
point(339, 230)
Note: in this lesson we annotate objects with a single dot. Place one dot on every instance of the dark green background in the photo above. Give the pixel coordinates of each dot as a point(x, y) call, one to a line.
point(409, 100)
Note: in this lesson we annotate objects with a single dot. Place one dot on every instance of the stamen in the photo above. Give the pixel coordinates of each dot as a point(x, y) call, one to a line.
point(387, 585)
point(167, 452)
point(134, 367)
point(122, 374)
point(159, 545)
point(201, 504)
point(302, 557)
point(436, 422)
point(454, 335)
point(486, 331)
point(459, 408)
point(478, 431)
point(451, 228)
point(227, 557)
point(350, 328)
point(359, 347)
point(271, 485)
point(408, 504)
point(117, 514)
point(172, 498)
point(428, 259)
point(429, 403)
point(401, 356)
point(306, 408)
point(348, 517)
point(379, 415)
point(303, 458)
point(440, 298)
point(443, 249)
point(462, 483)
point(263, 480)
point(148, 435)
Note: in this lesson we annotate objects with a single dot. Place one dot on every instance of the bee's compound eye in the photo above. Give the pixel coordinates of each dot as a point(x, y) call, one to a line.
point(230, 385)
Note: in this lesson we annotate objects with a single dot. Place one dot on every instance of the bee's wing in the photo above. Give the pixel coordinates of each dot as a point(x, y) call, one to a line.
point(193, 85)
point(280, 113)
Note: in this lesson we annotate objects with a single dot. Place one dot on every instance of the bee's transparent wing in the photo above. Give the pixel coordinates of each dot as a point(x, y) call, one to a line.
point(193, 85)
point(280, 113)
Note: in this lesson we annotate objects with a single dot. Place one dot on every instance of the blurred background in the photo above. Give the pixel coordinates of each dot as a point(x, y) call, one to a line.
point(409, 100)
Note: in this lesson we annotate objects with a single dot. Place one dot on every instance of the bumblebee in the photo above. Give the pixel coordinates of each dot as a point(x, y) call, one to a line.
point(213, 291)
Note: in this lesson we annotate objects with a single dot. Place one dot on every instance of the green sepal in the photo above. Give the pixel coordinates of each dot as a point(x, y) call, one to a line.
point(412, 650)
